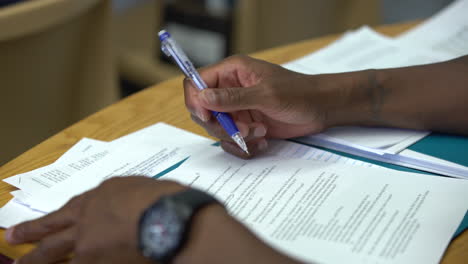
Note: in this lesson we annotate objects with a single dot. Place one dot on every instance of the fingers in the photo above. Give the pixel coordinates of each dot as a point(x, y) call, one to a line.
point(231, 99)
point(221, 99)
point(255, 147)
point(52, 249)
point(192, 101)
point(248, 131)
point(35, 230)
point(232, 72)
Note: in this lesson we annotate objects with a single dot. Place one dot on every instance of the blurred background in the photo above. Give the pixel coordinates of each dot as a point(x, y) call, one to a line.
point(62, 60)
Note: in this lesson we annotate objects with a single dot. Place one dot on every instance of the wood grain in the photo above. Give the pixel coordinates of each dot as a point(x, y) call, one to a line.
point(161, 103)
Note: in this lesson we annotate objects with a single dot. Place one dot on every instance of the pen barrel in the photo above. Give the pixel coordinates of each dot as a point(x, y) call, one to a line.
point(226, 122)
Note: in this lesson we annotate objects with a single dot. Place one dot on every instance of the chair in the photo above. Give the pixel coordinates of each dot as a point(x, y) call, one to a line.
point(56, 67)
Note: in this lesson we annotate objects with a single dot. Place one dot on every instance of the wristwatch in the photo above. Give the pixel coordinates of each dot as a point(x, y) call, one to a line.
point(164, 227)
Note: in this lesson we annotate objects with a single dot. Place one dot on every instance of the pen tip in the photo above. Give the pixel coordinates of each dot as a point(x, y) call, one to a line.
point(240, 142)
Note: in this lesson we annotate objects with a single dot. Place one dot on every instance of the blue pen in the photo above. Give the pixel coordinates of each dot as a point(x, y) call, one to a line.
point(171, 49)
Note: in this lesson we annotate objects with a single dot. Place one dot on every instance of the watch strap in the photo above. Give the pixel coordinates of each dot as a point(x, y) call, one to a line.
point(194, 199)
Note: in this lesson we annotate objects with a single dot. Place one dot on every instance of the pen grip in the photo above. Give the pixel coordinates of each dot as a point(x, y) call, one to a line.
point(226, 122)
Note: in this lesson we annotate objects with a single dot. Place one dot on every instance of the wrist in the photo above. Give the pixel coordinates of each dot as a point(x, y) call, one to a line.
point(216, 237)
point(352, 98)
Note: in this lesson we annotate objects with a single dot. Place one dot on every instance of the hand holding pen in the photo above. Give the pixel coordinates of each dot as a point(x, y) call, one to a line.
point(171, 49)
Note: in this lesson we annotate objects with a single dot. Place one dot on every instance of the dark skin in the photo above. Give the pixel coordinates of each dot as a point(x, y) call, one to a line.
point(101, 227)
point(266, 101)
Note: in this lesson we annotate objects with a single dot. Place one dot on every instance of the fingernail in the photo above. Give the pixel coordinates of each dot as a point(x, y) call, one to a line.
point(262, 145)
point(208, 96)
point(9, 235)
point(259, 131)
point(202, 116)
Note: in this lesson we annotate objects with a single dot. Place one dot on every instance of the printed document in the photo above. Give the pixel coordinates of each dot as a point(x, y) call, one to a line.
point(333, 213)
point(446, 32)
point(131, 149)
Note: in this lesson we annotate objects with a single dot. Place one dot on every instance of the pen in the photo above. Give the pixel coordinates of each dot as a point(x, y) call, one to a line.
point(172, 50)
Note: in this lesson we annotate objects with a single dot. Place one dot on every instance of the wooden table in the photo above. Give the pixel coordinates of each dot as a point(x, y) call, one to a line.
point(157, 104)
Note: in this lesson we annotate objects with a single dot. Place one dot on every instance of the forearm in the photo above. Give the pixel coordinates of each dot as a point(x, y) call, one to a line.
point(217, 238)
point(429, 97)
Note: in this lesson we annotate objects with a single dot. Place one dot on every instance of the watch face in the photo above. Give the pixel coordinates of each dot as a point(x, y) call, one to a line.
point(161, 232)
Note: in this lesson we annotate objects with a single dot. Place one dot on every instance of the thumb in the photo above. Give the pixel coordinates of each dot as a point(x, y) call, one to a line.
point(230, 99)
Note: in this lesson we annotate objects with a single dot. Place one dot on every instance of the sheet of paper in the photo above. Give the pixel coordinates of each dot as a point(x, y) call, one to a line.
point(142, 160)
point(73, 157)
point(416, 155)
point(13, 213)
point(85, 145)
point(48, 176)
point(278, 150)
point(333, 213)
point(58, 195)
point(378, 140)
point(284, 150)
point(363, 49)
point(446, 32)
point(406, 159)
point(162, 132)
point(86, 152)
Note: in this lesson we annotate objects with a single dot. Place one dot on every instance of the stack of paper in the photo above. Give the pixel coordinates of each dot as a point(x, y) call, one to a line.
point(306, 202)
point(441, 38)
point(148, 152)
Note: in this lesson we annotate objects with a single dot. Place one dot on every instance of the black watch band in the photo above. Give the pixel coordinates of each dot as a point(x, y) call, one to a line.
point(193, 198)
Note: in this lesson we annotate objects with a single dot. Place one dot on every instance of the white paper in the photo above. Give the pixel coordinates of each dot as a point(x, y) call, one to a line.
point(59, 194)
point(87, 152)
point(134, 149)
point(13, 213)
point(332, 213)
point(143, 160)
point(85, 145)
point(284, 150)
point(278, 150)
point(360, 50)
point(416, 155)
point(446, 32)
point(406, 159)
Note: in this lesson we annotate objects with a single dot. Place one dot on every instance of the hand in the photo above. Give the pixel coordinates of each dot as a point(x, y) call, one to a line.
point(99, 226)
point(264, 99)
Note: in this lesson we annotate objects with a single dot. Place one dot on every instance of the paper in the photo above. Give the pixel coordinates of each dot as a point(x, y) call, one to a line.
point(13, 213)
point(446, 32)
point(360, 50)
point(406, 159)
point(55, 197)
point(332, 213)
point(132, 150)
point(86, 152)
point(284, 150)
point(280, 195)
